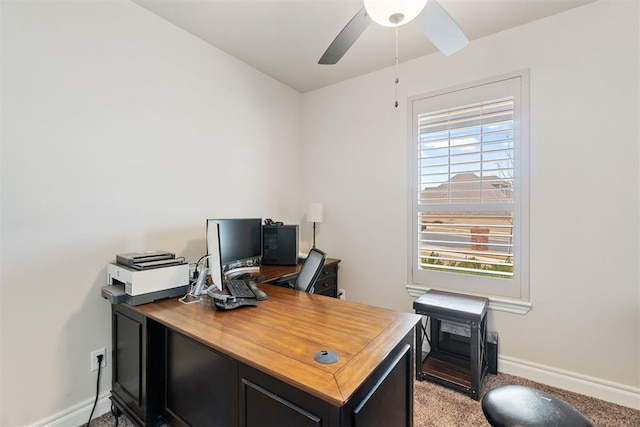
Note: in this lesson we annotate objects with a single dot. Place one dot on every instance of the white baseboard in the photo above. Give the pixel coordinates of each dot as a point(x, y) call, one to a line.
point(604, 390)
point(78, 415)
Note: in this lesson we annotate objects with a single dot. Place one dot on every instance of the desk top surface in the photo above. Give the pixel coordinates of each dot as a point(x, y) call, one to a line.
point(282, 334)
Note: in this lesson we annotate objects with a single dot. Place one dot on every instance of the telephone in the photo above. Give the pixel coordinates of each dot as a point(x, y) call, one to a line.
point(229, 302)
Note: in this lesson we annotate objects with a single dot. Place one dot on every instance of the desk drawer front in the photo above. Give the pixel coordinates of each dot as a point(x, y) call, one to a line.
point(201, 384)
point(267, 401)
point(329, 270)
point(327, 285)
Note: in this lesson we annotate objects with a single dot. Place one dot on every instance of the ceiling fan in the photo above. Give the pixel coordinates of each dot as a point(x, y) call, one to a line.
point(432, 19)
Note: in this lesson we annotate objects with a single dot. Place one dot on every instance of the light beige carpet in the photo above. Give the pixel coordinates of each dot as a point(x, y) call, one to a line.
point(437, 406)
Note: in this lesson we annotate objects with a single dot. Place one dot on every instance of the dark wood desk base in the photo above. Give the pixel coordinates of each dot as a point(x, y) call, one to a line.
point(174, 379)
point(194, 365)
point(224, 392)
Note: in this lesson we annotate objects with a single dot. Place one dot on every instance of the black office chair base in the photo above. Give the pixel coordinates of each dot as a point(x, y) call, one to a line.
point(514, 405)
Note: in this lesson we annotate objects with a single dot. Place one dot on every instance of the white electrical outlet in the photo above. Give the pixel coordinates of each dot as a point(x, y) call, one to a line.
point(94, 359)
point(342, 294)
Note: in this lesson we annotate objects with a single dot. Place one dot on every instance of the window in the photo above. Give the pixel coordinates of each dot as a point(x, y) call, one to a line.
point(469, 218)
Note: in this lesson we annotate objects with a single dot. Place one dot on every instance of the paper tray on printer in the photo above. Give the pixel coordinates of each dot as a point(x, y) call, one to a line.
point(116, 294)
point(157, 264)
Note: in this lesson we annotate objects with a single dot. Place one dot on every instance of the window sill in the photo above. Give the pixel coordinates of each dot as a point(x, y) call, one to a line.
point(496, 304)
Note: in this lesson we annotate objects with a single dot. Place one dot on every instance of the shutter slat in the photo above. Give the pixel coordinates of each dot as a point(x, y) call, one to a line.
point(468, 242)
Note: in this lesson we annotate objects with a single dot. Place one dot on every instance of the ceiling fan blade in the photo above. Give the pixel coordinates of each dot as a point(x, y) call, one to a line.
point(441, 29)
point(346, 38)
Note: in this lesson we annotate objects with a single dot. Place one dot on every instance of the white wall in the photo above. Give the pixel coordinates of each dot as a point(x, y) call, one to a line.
point(584, 329)
point(120, 133)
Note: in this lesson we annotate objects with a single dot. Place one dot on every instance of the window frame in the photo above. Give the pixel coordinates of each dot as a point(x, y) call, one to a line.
point(513, 294)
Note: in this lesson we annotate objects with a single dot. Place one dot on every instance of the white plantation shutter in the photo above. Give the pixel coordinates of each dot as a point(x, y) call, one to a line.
point(466, 154)
point(469, 179)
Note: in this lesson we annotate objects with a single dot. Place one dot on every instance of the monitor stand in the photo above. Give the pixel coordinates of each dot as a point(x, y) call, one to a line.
point(240, 271)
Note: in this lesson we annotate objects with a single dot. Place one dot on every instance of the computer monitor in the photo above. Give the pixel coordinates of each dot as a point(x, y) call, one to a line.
point(234, 246)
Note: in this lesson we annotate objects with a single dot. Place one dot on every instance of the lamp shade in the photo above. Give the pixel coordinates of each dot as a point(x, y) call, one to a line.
point(390, 13)
point(314, 214)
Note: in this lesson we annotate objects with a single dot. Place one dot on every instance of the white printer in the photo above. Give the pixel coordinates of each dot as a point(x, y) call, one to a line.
point(144, 277)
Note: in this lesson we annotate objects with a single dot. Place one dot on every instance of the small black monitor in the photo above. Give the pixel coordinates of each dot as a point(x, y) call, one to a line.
point(239, 244)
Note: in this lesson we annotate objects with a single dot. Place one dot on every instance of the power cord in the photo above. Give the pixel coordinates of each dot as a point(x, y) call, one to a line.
point(196, 274)
point(97, 388)
point(114, 412)
point(183, 299)
point(195, 270)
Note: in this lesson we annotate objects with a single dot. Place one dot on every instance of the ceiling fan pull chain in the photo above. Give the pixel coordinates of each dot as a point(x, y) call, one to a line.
point(397, 78)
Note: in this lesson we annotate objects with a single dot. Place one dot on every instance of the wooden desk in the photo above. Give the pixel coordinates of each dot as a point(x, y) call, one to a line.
point(327, 283)
point(255, 366)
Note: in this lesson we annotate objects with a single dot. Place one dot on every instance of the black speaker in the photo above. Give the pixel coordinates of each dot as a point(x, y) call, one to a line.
point(280, 244)
point(492, 353)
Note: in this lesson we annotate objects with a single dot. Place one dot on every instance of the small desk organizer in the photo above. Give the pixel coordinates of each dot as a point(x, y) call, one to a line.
point(457, 339)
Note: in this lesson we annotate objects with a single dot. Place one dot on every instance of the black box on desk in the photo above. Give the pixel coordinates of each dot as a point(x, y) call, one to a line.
point(279, 244)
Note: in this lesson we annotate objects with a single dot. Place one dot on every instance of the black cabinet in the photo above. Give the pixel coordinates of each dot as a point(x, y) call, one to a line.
point(201, 384)
point(159, 375)
point(327, 283)
point(137, 356)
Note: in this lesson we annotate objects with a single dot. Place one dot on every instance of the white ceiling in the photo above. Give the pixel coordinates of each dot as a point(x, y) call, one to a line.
point(285, 38)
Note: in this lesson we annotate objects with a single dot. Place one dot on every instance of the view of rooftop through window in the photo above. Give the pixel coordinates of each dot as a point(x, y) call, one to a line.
point(466, 193)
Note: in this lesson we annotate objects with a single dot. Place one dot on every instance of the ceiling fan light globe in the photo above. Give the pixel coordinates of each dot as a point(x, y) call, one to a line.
point(387, 12)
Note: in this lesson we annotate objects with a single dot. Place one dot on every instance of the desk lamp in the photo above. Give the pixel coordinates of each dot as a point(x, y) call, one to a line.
point(314, 215)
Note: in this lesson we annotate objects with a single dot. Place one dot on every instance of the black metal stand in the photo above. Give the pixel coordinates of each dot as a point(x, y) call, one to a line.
point(456, 359)
point(314, 234)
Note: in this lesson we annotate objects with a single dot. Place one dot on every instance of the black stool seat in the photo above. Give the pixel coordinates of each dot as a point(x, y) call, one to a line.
point(514, 405)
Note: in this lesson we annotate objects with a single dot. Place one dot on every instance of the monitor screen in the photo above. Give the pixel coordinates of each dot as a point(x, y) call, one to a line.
point(235, 244)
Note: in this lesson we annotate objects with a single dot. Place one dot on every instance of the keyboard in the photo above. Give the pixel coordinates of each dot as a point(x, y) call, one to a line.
point(239, 289)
